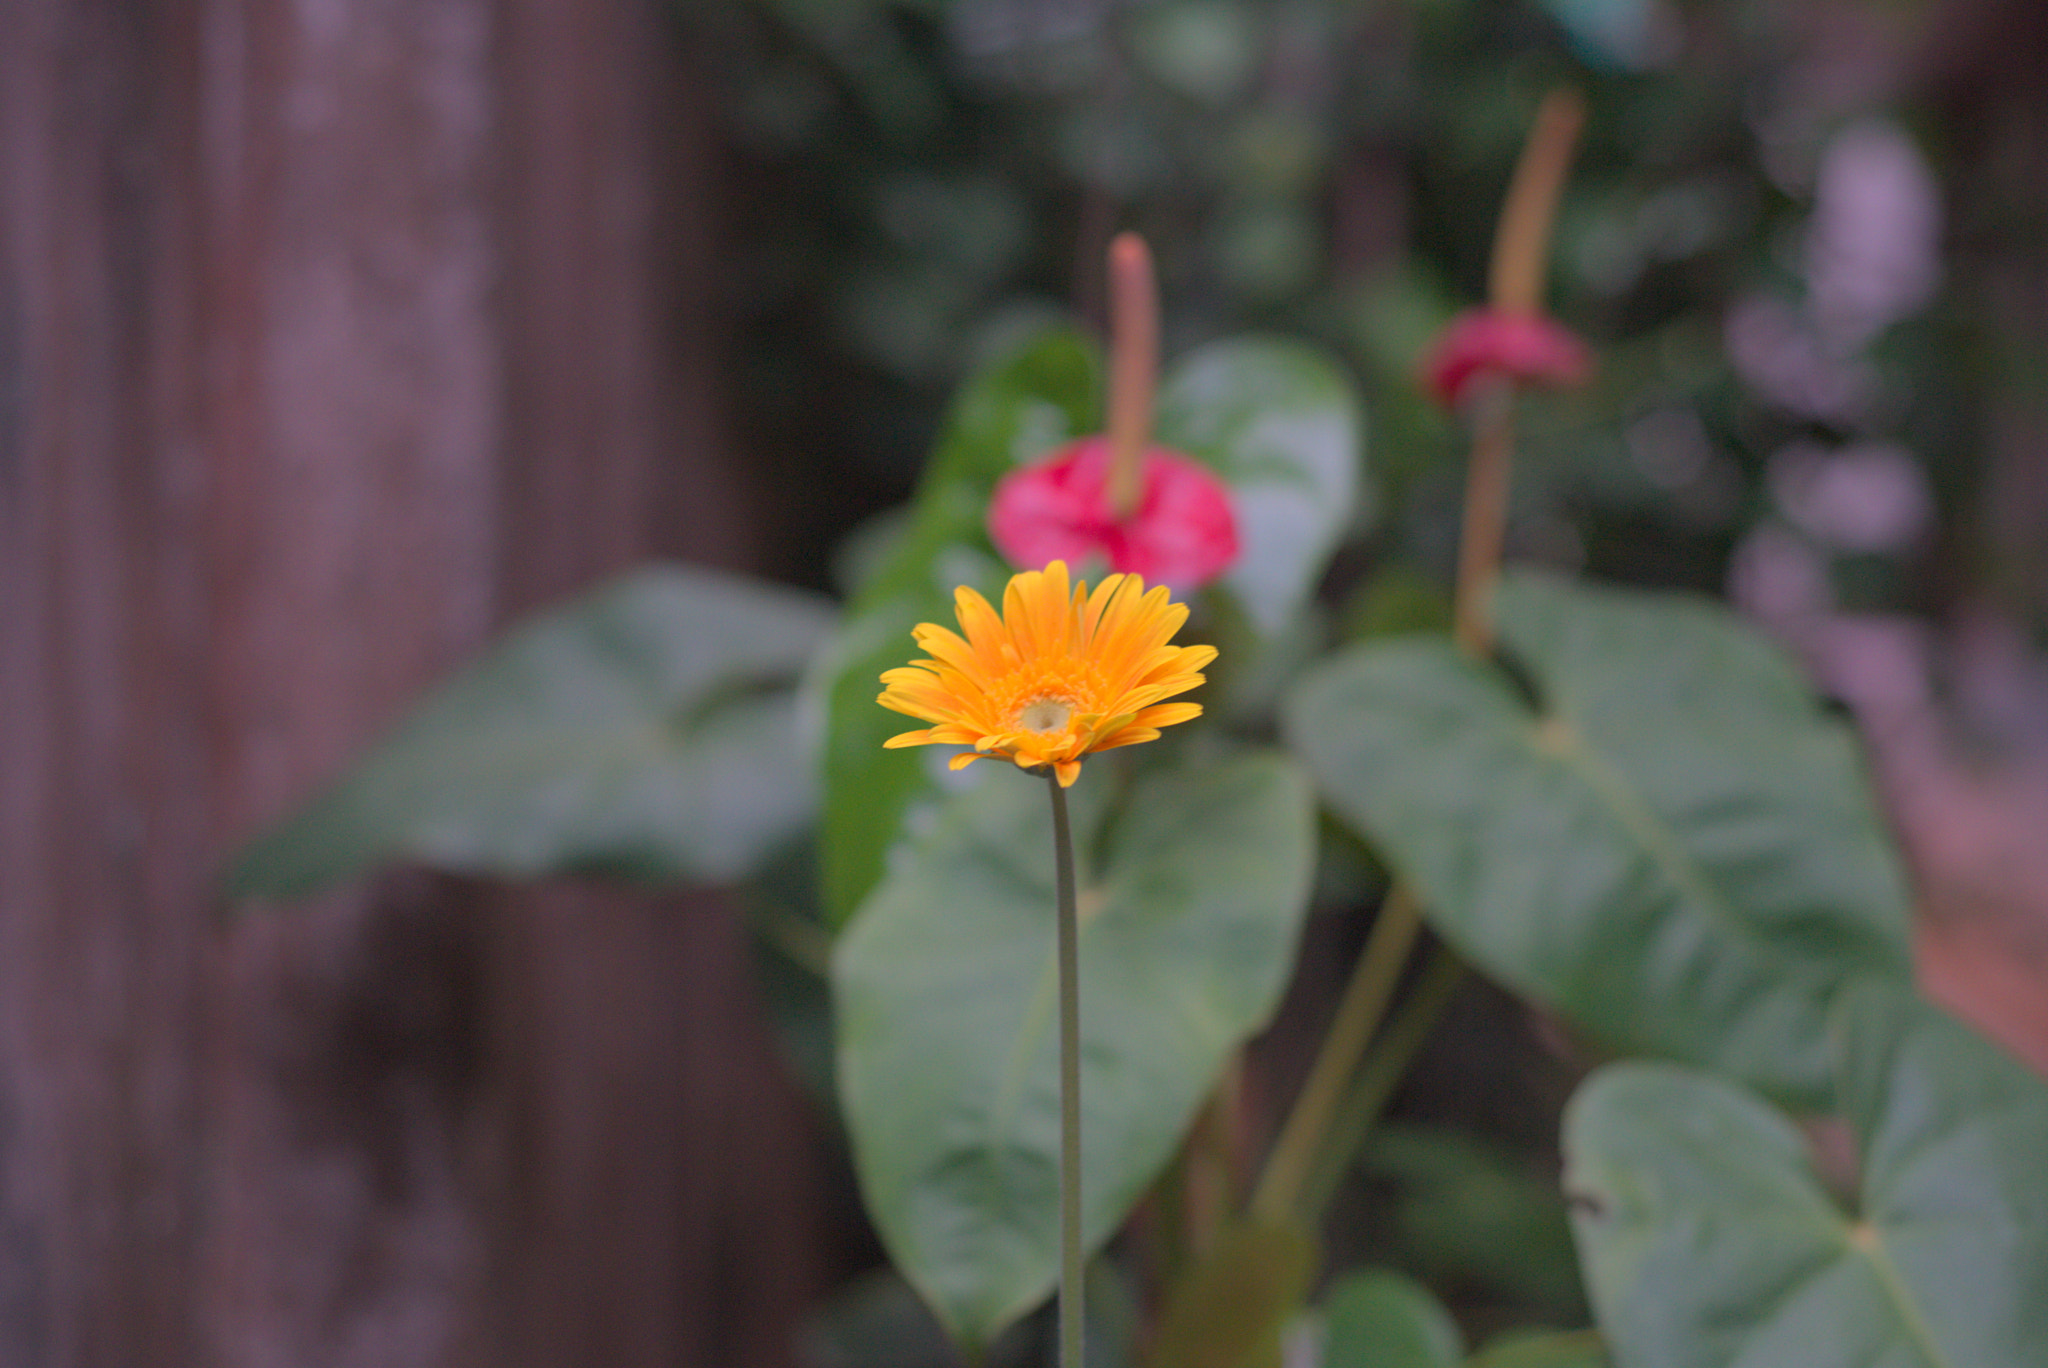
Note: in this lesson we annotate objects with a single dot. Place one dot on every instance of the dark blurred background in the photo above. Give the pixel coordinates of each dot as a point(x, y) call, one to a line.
point(336, 334)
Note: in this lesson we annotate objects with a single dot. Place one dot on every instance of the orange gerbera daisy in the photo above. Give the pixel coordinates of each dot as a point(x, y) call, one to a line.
point(1060, 674)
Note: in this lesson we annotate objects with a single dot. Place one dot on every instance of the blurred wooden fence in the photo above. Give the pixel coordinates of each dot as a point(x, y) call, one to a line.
point(332, 335)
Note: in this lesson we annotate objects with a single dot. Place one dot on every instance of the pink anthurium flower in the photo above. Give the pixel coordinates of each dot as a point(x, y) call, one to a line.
point(1519, 345)
point(1181, 532)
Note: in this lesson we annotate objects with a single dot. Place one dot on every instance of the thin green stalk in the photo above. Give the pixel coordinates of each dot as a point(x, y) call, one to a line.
point(1069, 956)
point(1380, 1073)
point(1365, 1000)
point(1487, 481)
point(1325, 1121)
point(1305, 1134)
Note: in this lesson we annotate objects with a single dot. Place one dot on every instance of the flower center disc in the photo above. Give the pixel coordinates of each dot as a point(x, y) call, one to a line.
point(1045, 715)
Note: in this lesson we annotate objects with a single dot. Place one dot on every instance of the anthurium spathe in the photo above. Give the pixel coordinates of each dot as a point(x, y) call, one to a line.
point(1525, 347)
point(1115, 499)
point(1513, 338)
point(1182, 531)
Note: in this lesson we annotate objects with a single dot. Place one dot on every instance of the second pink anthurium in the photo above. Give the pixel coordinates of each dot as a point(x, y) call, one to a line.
point(1523, 346)
point(1181, 531)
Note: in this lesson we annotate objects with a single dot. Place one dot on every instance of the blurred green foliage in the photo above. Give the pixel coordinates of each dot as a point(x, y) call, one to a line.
point(921, 179)
point(918, 183)
point(1642, 820)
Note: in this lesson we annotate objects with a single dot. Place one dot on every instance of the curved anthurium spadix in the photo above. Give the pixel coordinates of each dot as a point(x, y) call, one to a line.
point(647, 728)
point(1709, 1240)
point(1673, 843)
point(944, 989)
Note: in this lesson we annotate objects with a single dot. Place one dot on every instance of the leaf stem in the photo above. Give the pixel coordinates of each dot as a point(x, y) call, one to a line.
point(1488, 478)
point(1069, 959)
point(1328, 1118)
point(1381, 1072)
point(1359, 1012)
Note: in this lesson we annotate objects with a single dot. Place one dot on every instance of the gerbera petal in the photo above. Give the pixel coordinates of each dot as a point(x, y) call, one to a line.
point(1062, 672)
point(1161, 662)
point(1017, 616)
point(896, 702)
point(1120, 622)
point(1127, 736)
point(1077, 607)
point(954, 650)
point(1159, 617)
point(1091, 614)
point(1050, 620)
point(984, 630)
point(1134, 701)
point(928, 701)
point(1169, 714)
point(1146, 626)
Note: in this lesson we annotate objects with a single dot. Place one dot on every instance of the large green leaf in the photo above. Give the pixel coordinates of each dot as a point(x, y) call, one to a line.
point(1191, 908)
point(1044, 394)
point(1709, 1241)
point(1282, 423)
point(647, 729)
point(1676, 846)
point(1383, 1319)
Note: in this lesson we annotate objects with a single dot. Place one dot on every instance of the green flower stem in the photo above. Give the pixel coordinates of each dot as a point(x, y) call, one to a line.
point(1278, 1195)
point(1380, 1073)
point(1330, 1119)
point(1069, 956)
point(1284, 1188)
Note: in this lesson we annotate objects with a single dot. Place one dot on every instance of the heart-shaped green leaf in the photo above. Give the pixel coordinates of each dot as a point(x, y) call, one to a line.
point(1283, 425)
point(647, 729)
point(1384, 1319)
point(1045, 393)
point(945, 989)
point(1708, 1240)
point(1676, 847)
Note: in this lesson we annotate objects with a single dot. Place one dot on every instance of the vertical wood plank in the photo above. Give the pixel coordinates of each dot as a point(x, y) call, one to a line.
point(332, 333)
point(660, 1212)
point(352, 422)
point(100, 750)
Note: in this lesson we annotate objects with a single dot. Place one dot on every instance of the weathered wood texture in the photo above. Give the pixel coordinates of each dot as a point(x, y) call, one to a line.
point(332, 334)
